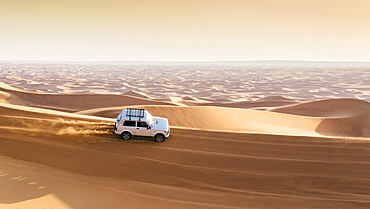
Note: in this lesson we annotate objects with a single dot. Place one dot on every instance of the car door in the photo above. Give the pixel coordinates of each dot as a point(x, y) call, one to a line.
point(142, 129)
point(129, 125)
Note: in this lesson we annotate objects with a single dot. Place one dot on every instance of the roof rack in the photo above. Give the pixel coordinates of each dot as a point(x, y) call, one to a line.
point(138, 113)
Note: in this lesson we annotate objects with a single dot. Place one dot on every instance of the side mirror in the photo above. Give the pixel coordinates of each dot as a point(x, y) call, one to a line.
point(148, 127)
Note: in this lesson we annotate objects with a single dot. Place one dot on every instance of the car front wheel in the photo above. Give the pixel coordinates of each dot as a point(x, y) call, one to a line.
point(159, 138)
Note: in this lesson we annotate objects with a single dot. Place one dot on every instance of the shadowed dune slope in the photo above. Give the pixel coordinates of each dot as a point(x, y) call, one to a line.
point(340, 117)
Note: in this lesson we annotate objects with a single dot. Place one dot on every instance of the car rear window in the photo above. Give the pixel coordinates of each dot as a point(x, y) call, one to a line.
point(129, 123)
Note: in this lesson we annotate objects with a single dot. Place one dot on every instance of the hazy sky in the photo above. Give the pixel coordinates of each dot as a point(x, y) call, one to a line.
point(185, 30)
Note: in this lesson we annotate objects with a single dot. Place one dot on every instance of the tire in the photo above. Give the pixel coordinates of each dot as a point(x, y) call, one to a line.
point(159, 138)
point(126, 135)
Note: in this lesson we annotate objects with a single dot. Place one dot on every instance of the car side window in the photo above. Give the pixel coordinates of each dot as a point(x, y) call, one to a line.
point(129, 123)
point(142, 124)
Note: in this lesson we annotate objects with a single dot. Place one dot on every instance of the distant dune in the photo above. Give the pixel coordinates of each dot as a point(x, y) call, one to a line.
point(58, 150)
point(73, 102)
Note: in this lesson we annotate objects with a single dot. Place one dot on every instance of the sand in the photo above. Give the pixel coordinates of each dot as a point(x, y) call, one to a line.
point(227, 150)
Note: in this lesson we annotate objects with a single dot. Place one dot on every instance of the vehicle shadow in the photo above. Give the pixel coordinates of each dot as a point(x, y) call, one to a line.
point(141, 139)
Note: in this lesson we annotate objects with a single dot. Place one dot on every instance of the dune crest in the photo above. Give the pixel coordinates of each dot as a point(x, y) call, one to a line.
point(327, 108)
point(135, 94)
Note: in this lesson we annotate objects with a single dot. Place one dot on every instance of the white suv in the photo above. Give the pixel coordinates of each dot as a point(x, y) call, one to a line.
point(140, 122)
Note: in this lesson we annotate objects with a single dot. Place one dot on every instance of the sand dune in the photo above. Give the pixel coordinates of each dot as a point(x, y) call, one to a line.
point(73, 102)
point(346, 117)
point(245, 120)
point(58, 151)
point(331, 108)
point(194, 168)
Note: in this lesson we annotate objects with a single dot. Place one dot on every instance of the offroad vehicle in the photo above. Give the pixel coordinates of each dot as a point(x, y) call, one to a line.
point(139, 122)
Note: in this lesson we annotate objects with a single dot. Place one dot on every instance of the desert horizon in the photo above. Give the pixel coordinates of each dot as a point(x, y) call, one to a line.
point(243, 135)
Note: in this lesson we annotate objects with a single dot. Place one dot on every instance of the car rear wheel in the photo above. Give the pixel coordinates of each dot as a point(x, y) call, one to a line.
point(126, 135)
point(159, 138)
